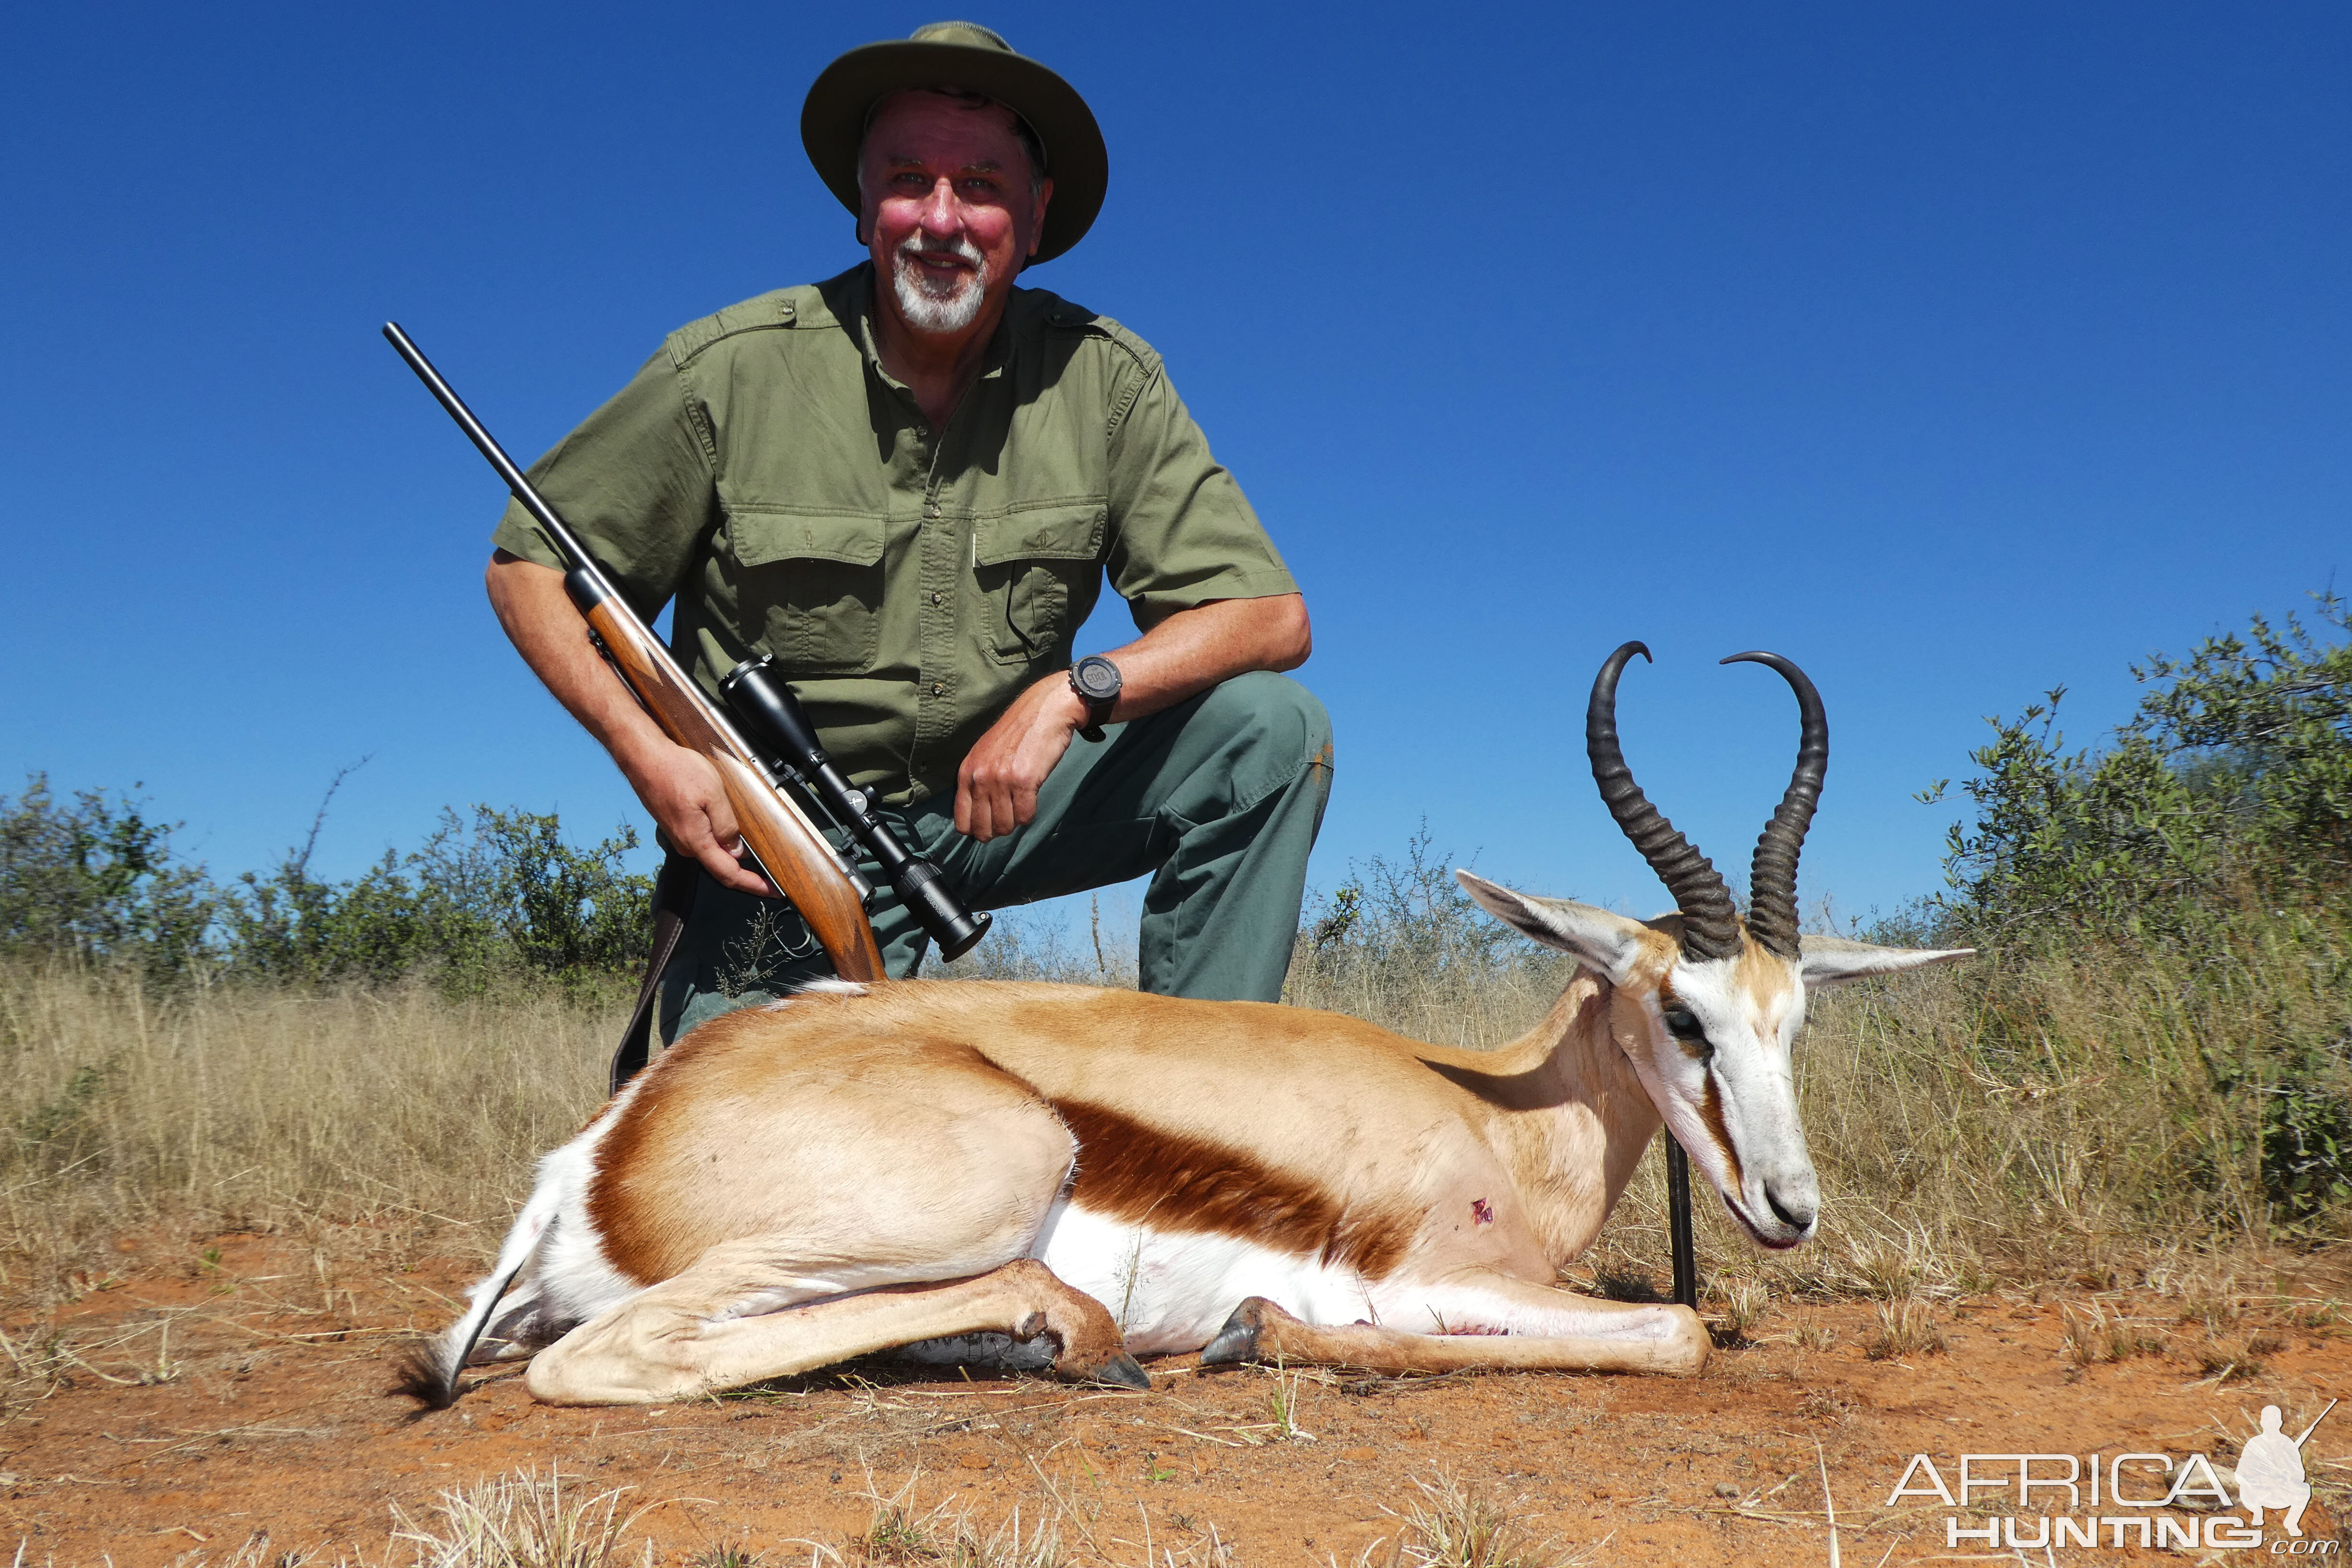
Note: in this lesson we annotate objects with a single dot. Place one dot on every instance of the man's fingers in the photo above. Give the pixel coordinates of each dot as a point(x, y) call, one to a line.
point(724, 865)
point(982, 815)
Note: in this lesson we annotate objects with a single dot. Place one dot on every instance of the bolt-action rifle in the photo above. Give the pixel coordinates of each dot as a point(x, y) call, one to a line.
point(762, 781)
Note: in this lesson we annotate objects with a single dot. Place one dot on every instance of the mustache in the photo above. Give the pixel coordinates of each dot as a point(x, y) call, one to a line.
point(962, 248)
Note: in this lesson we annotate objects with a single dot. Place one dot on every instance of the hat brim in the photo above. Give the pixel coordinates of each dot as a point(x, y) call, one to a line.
point(833, 122)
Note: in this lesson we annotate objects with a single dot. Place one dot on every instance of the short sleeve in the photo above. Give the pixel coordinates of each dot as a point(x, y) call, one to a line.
point(1181, 532)
point(634, 482)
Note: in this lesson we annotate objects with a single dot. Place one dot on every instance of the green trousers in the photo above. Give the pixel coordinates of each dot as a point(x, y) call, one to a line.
point(1219, 797)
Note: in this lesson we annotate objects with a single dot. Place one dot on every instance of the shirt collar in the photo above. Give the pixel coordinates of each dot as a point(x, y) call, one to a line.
point(858, 301)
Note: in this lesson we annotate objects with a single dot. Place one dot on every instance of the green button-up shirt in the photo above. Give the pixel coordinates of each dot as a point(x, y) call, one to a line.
point(764, 471)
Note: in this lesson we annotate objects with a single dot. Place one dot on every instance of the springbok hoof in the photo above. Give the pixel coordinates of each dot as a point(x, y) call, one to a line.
point(1121, 1372)
point(1237, 1341)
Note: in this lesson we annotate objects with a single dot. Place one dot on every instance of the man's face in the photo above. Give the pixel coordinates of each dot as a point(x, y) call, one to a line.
point(949, 217)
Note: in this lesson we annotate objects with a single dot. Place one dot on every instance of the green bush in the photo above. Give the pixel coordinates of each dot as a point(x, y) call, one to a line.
point(2230, 788)
point(507, 898)
point(2211, 842)
point(94, 881)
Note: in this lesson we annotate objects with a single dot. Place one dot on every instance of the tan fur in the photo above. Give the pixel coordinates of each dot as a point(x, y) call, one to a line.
point(962, 1075)
point(678, 1340)
point(773, 1169)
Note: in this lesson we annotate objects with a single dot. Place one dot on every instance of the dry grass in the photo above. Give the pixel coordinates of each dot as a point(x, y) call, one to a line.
point(273, 1108)
point(1903, 1329)
point(2047, 1123)
point(2096, 1336)
point(520, 1520)
point(950, 1531)
point(1455, 1525)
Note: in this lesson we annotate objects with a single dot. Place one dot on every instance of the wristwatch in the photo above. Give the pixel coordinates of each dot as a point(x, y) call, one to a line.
point(1095, 681)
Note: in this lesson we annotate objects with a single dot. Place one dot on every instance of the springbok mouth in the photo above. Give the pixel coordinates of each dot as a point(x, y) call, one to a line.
point(1774, 1243)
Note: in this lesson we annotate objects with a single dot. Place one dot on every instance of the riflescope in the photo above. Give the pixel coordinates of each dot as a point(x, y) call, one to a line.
point(766, 704)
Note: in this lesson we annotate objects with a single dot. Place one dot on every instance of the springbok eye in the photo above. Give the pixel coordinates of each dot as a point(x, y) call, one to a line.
point(1683, 1026)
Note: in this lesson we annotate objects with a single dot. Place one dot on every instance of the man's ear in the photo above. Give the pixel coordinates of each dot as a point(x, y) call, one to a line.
point(1606, 944)
point(1833, 960)
point(1037, 218)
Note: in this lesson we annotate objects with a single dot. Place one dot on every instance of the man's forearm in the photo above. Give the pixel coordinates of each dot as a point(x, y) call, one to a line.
point(1187, 651)
point(547, 630)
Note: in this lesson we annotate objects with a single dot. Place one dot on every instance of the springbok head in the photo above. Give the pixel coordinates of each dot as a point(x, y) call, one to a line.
point(1706, 1005)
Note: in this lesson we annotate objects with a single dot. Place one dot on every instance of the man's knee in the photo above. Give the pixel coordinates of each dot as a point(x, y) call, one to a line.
point(1271, 711)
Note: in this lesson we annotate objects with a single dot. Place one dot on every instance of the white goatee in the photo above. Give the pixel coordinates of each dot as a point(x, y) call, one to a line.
point(936, 302)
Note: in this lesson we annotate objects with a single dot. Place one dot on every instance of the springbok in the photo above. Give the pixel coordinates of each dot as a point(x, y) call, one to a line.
point(1056, 1174)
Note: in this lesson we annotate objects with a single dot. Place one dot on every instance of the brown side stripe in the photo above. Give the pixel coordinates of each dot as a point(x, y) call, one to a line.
point(1147, 1176)
point(1710, 1109)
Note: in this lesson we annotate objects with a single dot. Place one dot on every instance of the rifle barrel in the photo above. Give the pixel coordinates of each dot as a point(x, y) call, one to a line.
point(559, 532)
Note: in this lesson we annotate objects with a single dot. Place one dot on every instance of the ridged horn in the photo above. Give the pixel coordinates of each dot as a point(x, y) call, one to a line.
point(1772, 874)
point(1710, 923)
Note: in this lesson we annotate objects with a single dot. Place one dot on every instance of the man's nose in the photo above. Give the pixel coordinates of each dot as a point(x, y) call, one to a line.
point(940, 215)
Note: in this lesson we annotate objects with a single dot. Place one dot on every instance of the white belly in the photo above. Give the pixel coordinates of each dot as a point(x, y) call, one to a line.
point(1173, 1290)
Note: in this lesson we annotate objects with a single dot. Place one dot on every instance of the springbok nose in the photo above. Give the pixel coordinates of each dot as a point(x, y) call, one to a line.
point(1796, 1218)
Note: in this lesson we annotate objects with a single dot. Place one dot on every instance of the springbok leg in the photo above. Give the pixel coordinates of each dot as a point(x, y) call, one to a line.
point(676, 1340)
point(1653, 1339)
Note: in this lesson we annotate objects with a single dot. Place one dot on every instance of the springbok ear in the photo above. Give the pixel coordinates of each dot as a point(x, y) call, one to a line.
point(1605, 942)
point(1833, 960)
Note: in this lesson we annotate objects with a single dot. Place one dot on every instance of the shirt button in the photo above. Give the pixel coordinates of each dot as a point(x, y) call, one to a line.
point(936, 598)
point(939, 688)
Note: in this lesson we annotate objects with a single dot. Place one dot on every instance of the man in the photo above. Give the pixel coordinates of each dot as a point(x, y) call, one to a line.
point(907, 484)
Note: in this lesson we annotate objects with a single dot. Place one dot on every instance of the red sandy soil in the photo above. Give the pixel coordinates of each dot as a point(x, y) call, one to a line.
point(212, 1391)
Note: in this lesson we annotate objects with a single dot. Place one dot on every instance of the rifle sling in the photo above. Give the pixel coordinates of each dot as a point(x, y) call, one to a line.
point(673, 891)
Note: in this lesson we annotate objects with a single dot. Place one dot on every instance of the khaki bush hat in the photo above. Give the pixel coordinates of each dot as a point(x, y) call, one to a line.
point(968, 55)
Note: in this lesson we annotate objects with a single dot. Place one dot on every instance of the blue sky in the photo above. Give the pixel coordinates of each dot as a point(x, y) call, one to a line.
point(1955, 352)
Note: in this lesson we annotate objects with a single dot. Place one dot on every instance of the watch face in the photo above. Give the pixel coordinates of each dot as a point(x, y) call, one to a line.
point(1096, 677)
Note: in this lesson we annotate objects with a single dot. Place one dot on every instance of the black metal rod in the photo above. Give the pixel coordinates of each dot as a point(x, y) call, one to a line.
point(1678, 1224)
point(559, 534)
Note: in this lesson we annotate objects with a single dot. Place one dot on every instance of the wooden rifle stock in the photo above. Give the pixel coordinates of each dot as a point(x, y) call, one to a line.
point(788, 846)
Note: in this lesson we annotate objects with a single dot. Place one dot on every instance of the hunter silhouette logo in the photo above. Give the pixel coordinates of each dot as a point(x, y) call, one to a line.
point(2092, 1500)
point(2270, 1471)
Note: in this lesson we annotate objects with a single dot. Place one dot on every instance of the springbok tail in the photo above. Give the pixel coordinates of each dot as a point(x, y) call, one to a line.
point(428, 1373)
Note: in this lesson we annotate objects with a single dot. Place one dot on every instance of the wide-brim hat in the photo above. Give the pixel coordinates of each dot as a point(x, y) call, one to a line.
point(967, 56)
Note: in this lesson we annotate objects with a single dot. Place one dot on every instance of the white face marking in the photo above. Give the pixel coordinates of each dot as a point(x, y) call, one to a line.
point(1713, 1040)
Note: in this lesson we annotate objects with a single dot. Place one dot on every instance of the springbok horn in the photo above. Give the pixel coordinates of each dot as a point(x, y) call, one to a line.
point(1772, 874)
point(1710, 924)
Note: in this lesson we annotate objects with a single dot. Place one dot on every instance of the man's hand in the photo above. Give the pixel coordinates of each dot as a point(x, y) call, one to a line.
point(682, 790)
point(996, 788)
point(679, 787)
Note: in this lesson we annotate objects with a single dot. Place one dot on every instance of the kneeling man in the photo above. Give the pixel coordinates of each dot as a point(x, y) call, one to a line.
point(905, 484)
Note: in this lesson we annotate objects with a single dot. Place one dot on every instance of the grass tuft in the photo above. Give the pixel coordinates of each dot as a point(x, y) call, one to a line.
point(520, 1521)
point(1903, 1329)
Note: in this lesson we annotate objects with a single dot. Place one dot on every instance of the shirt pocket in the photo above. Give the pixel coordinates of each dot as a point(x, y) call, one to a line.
point(811, 585)
point(1033, 564)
